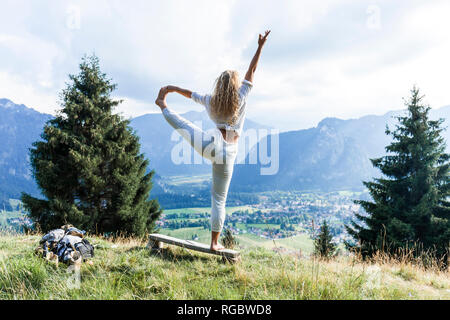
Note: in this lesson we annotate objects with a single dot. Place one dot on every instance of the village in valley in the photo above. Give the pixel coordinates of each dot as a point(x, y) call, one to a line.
point(277, 215)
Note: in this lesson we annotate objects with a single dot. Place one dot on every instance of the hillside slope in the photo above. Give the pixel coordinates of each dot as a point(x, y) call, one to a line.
point(127, 270)
point(19, 128)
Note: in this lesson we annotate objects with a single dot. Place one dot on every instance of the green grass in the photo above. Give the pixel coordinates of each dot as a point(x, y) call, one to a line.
point(299, 243)
point(127, 270)
point(249, 240)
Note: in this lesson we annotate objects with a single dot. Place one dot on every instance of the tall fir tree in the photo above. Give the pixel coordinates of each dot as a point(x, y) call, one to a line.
point(410, 206)
point(323, 243)
point(88, 164)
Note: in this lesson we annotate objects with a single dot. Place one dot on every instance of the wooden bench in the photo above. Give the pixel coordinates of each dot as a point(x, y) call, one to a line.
point(156, 240)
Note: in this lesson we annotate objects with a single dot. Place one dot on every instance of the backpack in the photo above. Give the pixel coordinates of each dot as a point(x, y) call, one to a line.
point(75, 232)
point(64, 241)
point(53, 236)
point(85, 249)
point(50, 241)
point(70, 243)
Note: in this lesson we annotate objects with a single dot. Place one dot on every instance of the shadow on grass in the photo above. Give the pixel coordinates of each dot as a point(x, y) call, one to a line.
point(179, 256)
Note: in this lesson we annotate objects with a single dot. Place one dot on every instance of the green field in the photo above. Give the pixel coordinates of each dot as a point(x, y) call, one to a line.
point(298, 243)
point(17, 212)
point(4, 215)
point(187, 180)
point(261, 225)
point(229, 210)
point(204, 235)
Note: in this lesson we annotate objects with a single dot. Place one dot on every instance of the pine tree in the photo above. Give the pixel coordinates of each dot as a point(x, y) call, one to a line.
point(88, 164)
point(323, 244)
point(410, 205)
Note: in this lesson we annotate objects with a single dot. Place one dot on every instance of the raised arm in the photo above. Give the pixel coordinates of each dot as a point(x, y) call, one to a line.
point(202, 99)
point(252, 68)
point(184, 92)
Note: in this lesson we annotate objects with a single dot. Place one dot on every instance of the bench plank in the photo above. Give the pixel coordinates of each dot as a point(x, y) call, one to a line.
point(154, 238)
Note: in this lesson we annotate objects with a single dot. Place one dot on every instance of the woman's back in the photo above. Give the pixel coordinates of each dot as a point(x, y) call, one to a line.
point(225, 121)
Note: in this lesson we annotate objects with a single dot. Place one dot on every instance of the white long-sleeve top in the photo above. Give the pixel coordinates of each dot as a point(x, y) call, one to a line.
point(223, 123)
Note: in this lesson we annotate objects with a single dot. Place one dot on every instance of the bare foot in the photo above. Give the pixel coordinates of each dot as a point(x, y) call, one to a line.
point(161, 99)
point(217, 247)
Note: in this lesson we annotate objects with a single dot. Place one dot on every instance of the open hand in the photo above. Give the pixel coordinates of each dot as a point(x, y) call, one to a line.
point(262, 39)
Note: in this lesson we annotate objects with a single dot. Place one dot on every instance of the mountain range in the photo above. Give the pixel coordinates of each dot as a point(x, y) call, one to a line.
point(19, 128)
point(334, 155)
point(158, 139)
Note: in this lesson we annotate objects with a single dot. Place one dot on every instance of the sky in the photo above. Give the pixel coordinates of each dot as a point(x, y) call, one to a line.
point(344, 59)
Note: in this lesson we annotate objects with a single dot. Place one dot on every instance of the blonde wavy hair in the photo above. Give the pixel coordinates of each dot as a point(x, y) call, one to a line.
point(225, 99)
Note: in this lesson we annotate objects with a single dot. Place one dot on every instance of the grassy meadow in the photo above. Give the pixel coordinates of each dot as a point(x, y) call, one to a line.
point(126, 269)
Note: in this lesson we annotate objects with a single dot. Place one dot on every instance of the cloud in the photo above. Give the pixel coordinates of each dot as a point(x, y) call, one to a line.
point(23, 92)
point(324, 58)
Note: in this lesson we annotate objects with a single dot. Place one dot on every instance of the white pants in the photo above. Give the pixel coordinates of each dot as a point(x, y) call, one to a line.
point(222, 154)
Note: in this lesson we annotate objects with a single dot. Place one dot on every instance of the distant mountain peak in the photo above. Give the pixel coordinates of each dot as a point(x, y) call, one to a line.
point(6, 103)
point(330, 122)
point(11, 107)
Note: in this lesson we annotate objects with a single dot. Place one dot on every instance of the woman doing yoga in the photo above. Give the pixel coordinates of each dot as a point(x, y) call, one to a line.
point(226, 108)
